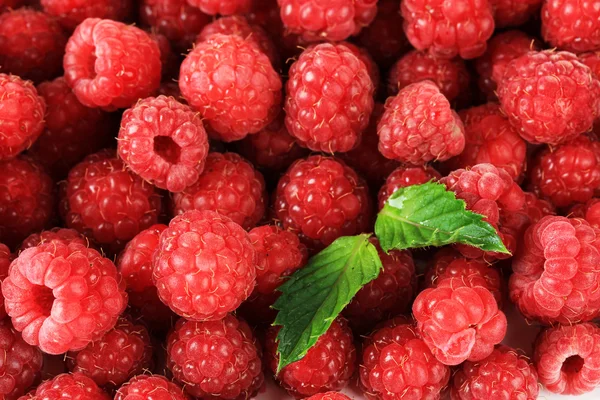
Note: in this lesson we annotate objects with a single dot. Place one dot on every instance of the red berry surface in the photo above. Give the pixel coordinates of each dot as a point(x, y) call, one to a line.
point(537, 208)
point(223, 7)
point(590, 211)
point(514, 12)
point(10, 4)
point(329, 396)
point(77, 386)
point(71, 13)
point(151, 387)
point(592, 60)
point(571, 25)
point(5, 260)
point(405, 176)
point(363, 55)
point(60, 234)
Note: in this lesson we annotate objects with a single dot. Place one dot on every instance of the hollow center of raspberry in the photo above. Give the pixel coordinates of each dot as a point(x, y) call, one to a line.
point(91, 65)
point(44, 299)
point(167, 149)
point(573, 364)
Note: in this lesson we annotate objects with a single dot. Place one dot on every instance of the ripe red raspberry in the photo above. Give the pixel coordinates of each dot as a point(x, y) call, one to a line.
point(77, 386)
point(153, 387)
point(514, 12)
point(567, 174)
point(592, 60)
point(363, 55)
point(396, 364)
point(537, 208)
point(223, 7)
point(490, 138)
point(106, 202)
point(233, 372)
point(535, 88)
point(329, 396)
point(111, 65)
point(448, 28)
point(390, 294)
point(328, 365)
point(5, 260)
point(418, 126)
point(590, 211)
point(321, 199)
point(405, 176)
point(329, 98)
point(21, 115)
point(232, 84)
point(60, 234)
point(71, 13)
point(229, 185)
point(204, 265)
point(63, 295)
point(571, 25)
point(504, 373)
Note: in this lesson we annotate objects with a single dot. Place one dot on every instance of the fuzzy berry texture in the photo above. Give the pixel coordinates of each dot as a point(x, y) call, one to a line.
point(537, 208)
point(534, 89)
point(230, 186)
point(329, 396)
point(447, 29)
point(60, 234)
point(232, 84)
point(592, 60)
point(503, 374)
point(419, 126)
point(164, 142)
point(5, 260)
point(590, 211)
point(396, 364)
point(405, 176)
point(21, 115)
point(231, 373)
point(151, 387)
point(321, 199)
point(204, 265)
point(571, 25)
point(372, 68)
point(63, 295)
point(328, 365)
point(106, 202)
point(514, 12)
point(111, 65)
point(76, 386)
point(222, 7)
point(566, 357)
point(329, 98)
point(71, 13)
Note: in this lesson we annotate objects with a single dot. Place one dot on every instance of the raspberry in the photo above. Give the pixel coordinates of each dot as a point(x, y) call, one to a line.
point(504, 373)
point(555, 277)
point(537, 208)
point(329, 396)
point(448, 29)
point(169, 61)
point(76, 386)
point(107, 203)
point(514, 12)
point(405, 176)
point(549, 97)
point(363, 55)
point(567, 174)
point(390, 294)
point(26, 200)
point(451, 76)
point(418, 126)
point(21, 115)
point(111, 65)
point(150, 387)
point(223, 7)
point(204, 265)
point(590, 211)
point(232, 84)
point(5, 260)
point(321, 199)
point(71, 13)
point(32, 45)
point(60, 234)
point(329, 98)
point(164, 142)
point(233, 372)
point(63, 295)
point(490, 138)
point(10, 4)
point(396, 364)
point(229, 185)
point(331, 21)
point(592, 60)
point(328, 365)
point(72, 130)
point(571, 25)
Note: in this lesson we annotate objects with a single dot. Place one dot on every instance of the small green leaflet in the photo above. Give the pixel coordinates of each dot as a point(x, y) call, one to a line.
point(429, 215)
point(314, 296)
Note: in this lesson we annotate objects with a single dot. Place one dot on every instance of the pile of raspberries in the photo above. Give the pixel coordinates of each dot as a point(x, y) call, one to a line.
point(166, 164)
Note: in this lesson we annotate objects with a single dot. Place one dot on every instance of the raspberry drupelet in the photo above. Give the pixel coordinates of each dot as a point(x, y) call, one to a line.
point(164, 142)
point(405, 176)
point(571, 25)
point(231, 373)
point(150, 387)
point(372, 68)
point(537, 208)
point(514, 12)
point(60, 234)
point(222, 7)
point(77, 386)
point(329, 396)
point(111, 65)
point(71, 13)
point(329, 98)
point(590, 211)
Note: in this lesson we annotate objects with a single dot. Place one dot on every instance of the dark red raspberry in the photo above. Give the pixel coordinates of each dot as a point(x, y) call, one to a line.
point(590, 211)
point(232, 84)
point(72, 130)
point(71, 13)
point(63, 295)
point(32, 45)
point(514, 12)
point(204, 265)
point(5, 260)
point(77, 386)
point(418, 126)
point(21, 115)
point(537, 208)
point(448, 28)
point(328, 365)
point(390, 294)
point(10, 4)
point(329, 98)
point(321, 199)
point(169, 61)
point(504, 373)
point(405, 176)
point(329, 396)
point(567, 174)
point(571, 25)
point(396, 364)
point(111, 65)
point(223, 7)
point(215, 359)
point(229, 185)
point(106, 202)
point(171, 89)
point(60, 234)
point(490, 138)
point(151, 387)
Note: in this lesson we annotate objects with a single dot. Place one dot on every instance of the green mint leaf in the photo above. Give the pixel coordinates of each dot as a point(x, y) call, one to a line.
point(429, 215)
point(314, 295)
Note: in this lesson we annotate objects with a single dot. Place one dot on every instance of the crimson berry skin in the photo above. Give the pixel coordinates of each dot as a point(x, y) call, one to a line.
point(405, 176)
point(514, 12)
point(77, 386)
point(537, 208)
point(150, 387)
point(164, 142)
point(571, 25)
point(215, 359)
point(329, 396)
point(505, 373)
point(126, 67)
point(590, 211)
point(223, 7)
point(5, 260)
point(329, 98)
point(71, 13)
point(60, 234)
